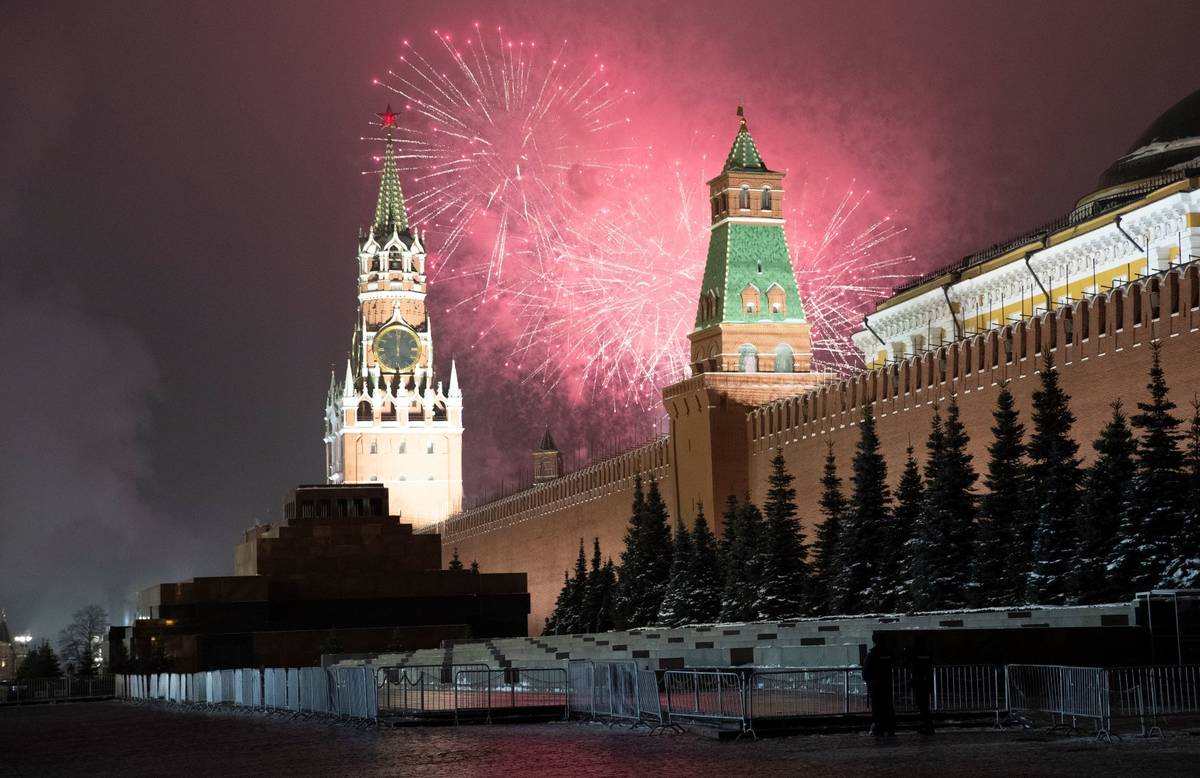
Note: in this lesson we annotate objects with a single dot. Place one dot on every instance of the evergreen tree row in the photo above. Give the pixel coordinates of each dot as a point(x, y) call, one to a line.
point(1043, 530)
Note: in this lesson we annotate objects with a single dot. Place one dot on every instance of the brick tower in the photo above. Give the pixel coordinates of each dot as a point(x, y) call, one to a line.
point(390, 421)
point(750, 344)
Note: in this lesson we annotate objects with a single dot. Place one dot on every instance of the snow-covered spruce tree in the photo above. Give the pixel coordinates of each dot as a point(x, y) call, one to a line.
point(1054, 481)
point(595, 591)
point(1150, 515)
point(1000, 565)
point(646, 561)
point(606, 615)
point(946, 534)
point(784, 552)
point(706, 599)
point(1184, 570)
point(864, 527)
point(1104, 485)
point(910, 497)
point(825, 549)
point(741, 561)
point(676, 608)
point(579, 620)
point(557, 620)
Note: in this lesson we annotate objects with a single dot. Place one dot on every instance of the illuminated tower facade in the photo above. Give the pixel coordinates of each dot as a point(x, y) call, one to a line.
point(749, 318)
point(750, 344)
point(390, 420)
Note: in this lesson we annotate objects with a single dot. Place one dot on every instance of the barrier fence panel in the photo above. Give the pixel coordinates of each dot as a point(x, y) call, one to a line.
point(293, 689)
point(705, 695)
point(624, 695)
point(581, 676)
point(511, 689)
point(1066, 694)
point(649, 699)
point(227, 686)
point(353, 692)
point(25, 690)
point(420, 688)
point(824, 691)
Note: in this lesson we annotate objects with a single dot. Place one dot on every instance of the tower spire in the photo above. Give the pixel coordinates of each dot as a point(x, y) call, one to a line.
point(389, 210)
point(744, 155)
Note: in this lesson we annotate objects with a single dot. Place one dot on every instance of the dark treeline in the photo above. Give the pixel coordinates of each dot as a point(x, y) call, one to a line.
point(1041, 529)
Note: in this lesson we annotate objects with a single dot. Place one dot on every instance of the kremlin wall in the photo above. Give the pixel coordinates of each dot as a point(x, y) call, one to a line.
point(1111, 293)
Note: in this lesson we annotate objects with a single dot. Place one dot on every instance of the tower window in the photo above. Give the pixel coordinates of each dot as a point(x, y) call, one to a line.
point(750, 297)
point(766, 198)
point(429, 447)
point(403, 446)
point(744, 197)
point(784, 360)
point(374, 447)
point(747, 359)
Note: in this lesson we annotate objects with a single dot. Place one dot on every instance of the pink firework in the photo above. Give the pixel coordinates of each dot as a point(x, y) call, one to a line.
point(582, 248)
point(502, 142)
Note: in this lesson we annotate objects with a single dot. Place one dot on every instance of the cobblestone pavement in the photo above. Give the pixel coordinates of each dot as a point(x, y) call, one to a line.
point(128, 739)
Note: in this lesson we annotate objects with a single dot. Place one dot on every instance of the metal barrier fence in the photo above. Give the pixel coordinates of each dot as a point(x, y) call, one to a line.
point(420, 688)
point(818, 691)
point(347, 692)
point(714, 696)
point(510, 689)
point(1151, 694)
point(1064, 693)
point(614, 691)
point(57, 689)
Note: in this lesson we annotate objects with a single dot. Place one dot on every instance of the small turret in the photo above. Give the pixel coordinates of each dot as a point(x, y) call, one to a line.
point(547, 461)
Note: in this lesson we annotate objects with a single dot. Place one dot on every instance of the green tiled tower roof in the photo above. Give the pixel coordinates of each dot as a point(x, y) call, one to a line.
point(389, 210)
point(744, 154)
point(741, 255)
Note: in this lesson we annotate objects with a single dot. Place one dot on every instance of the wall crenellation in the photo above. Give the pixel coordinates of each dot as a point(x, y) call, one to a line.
point(615, 474)
point(1159, 306)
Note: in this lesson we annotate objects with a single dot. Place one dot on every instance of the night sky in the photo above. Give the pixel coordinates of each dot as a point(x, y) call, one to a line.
point(181, 191)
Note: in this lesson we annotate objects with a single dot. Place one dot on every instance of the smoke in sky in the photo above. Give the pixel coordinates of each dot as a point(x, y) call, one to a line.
point(181, 192)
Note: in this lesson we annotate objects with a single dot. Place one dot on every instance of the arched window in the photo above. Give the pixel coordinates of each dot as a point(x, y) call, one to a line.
point(765, 202)
point(783, 358)
point(747, 358)
point(776, 300)
point(744, 197)
point(375, 264)
point(364, 411)
point(750, 297)
point(716, 206)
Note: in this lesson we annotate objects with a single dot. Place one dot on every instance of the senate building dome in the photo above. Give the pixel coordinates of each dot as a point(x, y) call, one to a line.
point(1170, 146)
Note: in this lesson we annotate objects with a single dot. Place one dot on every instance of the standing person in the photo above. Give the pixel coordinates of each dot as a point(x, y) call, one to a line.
point(877, 672)
point(920, 668)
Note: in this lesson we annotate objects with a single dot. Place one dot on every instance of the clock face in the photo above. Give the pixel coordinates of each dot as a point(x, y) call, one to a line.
point(397, 349)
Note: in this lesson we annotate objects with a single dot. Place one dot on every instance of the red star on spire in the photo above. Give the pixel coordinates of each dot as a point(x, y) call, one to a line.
point(388, 116)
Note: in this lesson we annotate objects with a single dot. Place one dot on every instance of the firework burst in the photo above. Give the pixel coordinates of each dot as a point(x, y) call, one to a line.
point(506, 143)
point(547, 218)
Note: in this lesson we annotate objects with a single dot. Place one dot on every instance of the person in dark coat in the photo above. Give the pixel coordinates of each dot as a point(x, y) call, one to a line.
point(877, 672)
point(920, 669)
